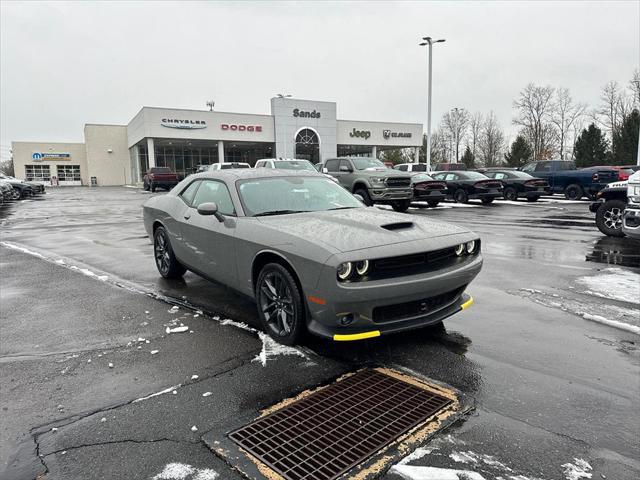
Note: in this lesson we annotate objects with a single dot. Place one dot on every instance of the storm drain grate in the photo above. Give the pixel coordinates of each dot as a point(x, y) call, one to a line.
point(325, 434)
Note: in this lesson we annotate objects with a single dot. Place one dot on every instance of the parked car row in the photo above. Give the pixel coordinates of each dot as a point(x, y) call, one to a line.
point(12, 188)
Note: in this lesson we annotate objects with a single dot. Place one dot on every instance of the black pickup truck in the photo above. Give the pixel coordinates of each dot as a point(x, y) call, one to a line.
point(564, 177)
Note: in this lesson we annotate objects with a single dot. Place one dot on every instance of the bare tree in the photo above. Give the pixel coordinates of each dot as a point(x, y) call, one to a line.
point(439, 146)
point(634, 86)
point(475, 128)
point(610, 106)
point(534, 107)
point(455, 123)
point(491, 141)
point(563, 115)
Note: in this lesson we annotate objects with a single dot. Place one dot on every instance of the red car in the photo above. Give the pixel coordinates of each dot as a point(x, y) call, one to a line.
point(160, 177)
point(624, 171)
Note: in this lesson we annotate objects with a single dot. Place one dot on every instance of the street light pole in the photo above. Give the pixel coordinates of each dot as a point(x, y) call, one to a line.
point(429, 41)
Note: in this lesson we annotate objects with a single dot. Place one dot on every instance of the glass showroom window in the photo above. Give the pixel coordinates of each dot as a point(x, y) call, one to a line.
point(38, 173)
point(69, 173)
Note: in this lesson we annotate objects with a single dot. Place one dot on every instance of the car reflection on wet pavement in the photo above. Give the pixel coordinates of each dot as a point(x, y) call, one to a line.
point(543, 354)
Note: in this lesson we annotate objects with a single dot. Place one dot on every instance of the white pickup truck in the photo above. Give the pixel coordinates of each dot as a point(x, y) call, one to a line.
point(631, 216)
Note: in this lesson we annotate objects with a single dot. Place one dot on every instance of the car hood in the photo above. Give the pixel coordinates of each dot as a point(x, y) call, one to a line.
point(359, 228)
point(383, 173)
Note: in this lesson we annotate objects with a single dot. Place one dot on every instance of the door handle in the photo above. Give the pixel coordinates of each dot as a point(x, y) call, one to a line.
point(187, 217)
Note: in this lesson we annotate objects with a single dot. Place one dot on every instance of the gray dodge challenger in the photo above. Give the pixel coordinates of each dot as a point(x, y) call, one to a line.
point(311, 255)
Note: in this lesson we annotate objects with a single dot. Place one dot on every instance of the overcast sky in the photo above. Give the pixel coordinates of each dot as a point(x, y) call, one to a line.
point(66, 64)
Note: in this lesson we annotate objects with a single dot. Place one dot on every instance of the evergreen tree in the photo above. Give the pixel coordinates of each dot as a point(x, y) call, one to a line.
point(591, 147)
point(625, 140)
point(468, 159)
point(520, 152)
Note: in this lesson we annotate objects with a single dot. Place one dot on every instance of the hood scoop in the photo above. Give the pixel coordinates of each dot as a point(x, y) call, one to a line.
point(397, 226)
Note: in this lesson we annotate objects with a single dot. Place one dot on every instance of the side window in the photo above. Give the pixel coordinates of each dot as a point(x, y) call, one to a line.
point(346, 163)
point(530, 167)
point(403, 168)
point(260, 164)
point(419, 167)
point(543, 167)
point(212, 191)
point(499, 176)
point(439, 176)
point(451, 177)
point(332, 165)
point(189, 192)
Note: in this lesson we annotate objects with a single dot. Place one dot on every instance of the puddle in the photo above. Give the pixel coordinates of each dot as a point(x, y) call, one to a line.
point(616, 251)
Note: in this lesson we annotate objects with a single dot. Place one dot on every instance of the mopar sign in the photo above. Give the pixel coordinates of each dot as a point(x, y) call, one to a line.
point(38, 157)
point(183, 123)
point(387, 134)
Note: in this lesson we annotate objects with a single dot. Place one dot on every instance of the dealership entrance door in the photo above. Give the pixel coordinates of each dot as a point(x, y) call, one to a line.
point(308, 145)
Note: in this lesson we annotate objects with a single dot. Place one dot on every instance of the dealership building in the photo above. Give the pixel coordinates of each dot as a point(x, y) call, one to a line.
point(185, 139)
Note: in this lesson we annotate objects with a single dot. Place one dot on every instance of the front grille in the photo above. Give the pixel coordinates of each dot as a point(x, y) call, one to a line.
point(396, 182)
point(327, 433)
point(416, 308)
point(406, 264)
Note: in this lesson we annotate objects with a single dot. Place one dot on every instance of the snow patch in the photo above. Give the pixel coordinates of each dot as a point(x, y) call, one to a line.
point(614, 283)
point(576, 471)
point(161, 392)
point(611, 323)
point(205, 474)
point(243, 326)
point(271, 348)
point(153, 352)
point(432, 473)
point(177, 329)
point(472, 457)
point(175, 471)
point(415, 455)
point(206, 394)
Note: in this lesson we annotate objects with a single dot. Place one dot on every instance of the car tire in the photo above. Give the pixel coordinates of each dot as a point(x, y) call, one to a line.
point(487, 200)
point(511, 194)
point(365, 196)
point(166, 261)
point(433, 203)
point(280, 305)
point(15, 195)
point(145, 186)
point(401, 205)
point(609, 218)
point(533, 199)
point(152, 187)
point(460, 196)
point(573, 192)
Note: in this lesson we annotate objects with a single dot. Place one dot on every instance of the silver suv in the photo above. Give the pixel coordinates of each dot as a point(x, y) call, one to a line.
point(375, 183)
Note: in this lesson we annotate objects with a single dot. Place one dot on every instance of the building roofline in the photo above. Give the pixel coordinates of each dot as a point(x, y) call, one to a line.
point(203, 111)
point(379, 121)
point(47, 143)
point(106, 125)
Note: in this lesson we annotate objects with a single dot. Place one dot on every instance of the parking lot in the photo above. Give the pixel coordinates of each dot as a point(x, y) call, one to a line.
point(95, 385)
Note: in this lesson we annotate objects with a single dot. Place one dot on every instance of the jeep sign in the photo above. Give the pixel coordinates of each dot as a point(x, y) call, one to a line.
point(360, 133)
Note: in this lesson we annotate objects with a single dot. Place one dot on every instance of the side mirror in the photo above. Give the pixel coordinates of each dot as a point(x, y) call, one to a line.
point(210, 208)
point(325, 170)
point(344, 168)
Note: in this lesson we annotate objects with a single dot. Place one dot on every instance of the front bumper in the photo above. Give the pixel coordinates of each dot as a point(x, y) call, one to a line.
point(385, 194)
point(361, 300)
point(631, 222)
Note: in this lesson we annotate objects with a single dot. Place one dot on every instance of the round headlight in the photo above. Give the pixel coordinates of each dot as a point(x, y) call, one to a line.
point(362, 267)
point(460, 250)
point(345, 270)
point(471, 246)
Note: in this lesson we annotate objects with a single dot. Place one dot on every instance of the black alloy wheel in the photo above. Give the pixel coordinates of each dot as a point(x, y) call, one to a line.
point(401, 205)
point(461, 196)
point(280, 306)
point(166, 262)
point(609, 218)
point(510, 193)
point(573, 192)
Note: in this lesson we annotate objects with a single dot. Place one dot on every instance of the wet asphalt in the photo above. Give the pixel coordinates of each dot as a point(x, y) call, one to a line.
point(79, 322)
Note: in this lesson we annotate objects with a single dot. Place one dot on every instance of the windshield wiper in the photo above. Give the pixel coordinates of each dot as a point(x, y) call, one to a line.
point(278, 212)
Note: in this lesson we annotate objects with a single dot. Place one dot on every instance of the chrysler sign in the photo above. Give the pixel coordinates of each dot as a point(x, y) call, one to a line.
point(183, 123)
point(38, 157)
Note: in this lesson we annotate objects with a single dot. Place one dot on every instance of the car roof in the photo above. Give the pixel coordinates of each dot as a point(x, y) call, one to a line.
point(242, 173)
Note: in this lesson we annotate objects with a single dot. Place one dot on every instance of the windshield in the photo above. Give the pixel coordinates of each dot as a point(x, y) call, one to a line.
point(281, 195)
point(364, 163)
point(517, 174)
point(295, 165)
